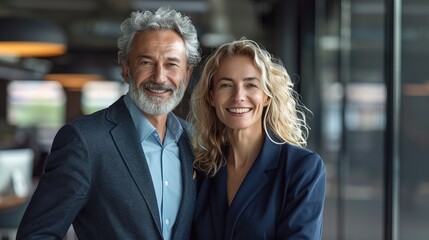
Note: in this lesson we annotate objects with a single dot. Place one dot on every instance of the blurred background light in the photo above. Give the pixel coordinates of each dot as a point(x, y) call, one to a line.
point(28, 37)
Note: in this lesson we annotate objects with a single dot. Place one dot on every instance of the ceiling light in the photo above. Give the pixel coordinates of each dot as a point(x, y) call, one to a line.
point(26, 37)
point(73, 81)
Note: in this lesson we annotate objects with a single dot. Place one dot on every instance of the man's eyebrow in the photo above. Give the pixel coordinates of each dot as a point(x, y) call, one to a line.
point(173, 59)
point(144, 56)
point(170, 59)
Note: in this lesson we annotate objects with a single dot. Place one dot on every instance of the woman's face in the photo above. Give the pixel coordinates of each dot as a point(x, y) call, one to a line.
point(237, 93)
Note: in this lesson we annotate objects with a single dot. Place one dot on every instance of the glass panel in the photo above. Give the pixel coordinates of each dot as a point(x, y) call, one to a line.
point(327, 46)
point(414, 139)
point(349, 67)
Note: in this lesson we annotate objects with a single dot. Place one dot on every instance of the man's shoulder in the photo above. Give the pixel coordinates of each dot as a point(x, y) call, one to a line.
point(115, 109)
point(92, 118)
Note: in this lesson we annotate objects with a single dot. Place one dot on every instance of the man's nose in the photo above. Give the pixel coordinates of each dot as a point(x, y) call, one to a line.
point(159, 74)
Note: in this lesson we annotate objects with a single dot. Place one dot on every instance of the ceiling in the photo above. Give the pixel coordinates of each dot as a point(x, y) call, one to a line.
point(93, 26)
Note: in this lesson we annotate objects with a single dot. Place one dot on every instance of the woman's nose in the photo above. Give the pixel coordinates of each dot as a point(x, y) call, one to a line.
point(239, 94)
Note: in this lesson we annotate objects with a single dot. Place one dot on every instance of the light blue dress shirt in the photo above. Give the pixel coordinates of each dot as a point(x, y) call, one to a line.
point(164, 164)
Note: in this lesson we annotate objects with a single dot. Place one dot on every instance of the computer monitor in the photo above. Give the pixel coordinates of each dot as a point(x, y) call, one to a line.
point(16, 170)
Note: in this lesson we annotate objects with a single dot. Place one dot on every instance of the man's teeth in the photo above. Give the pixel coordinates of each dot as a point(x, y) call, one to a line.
point(157, 90)
point(239, 110)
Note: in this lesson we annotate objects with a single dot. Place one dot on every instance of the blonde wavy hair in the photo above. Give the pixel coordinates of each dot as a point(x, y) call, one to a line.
point(284, 116)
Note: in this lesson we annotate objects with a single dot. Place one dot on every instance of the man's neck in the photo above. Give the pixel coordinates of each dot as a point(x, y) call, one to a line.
point(159, 122)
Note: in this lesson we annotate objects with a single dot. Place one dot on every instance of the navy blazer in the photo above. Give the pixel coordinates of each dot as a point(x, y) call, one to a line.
point(97, 178)
point(281, 197)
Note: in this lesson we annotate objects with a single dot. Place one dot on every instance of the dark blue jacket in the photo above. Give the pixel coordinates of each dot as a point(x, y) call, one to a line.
point(281, 197)
point(97, 178)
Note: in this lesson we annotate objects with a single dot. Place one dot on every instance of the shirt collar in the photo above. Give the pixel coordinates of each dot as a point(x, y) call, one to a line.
point(144, 127)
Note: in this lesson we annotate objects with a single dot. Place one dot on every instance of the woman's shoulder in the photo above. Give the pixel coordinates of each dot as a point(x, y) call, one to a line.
point(297, 150)
point(300, 157)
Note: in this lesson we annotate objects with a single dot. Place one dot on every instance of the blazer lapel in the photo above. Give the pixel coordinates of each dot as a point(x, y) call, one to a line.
point(218, 203)
point(254, 181)
point(126, 139)
point(186, 210)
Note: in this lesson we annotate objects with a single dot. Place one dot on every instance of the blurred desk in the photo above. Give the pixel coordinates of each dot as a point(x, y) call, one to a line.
point(12, 201)
point(12, 209)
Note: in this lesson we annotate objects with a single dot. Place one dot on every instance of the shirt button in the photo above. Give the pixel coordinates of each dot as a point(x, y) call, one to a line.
point(167, 221)
point(166, 183)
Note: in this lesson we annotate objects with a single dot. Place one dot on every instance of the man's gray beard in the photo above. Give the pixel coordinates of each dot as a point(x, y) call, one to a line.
point(155, 105)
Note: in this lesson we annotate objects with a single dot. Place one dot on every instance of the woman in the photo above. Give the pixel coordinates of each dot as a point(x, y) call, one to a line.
point(259, 183)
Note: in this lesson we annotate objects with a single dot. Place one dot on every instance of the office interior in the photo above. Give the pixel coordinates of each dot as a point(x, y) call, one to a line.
point(360, 66)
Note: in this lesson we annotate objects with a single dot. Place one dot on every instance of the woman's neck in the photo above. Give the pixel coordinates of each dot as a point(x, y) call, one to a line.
point(244, 146)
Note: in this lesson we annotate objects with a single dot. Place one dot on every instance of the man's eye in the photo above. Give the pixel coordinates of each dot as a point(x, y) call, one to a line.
point(145, 63)
point(172, 65)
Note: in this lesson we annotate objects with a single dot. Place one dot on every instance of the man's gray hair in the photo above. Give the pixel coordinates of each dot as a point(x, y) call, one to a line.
point(163, 18)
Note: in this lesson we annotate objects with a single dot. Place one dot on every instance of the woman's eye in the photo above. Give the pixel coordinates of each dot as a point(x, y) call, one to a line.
point(224, 85)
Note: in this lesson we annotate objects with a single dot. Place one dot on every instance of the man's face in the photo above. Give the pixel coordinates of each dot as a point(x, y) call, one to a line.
point(157, 71)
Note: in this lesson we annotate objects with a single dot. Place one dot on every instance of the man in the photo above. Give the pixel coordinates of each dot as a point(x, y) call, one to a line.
point(126, 172)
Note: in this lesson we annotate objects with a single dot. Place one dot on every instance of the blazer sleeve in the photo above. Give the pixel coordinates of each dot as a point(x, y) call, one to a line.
point(302, 215)
point(62, 190)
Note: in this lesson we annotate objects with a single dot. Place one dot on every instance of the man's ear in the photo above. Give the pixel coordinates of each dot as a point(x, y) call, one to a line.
point(188, 74)
point(125, 72)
